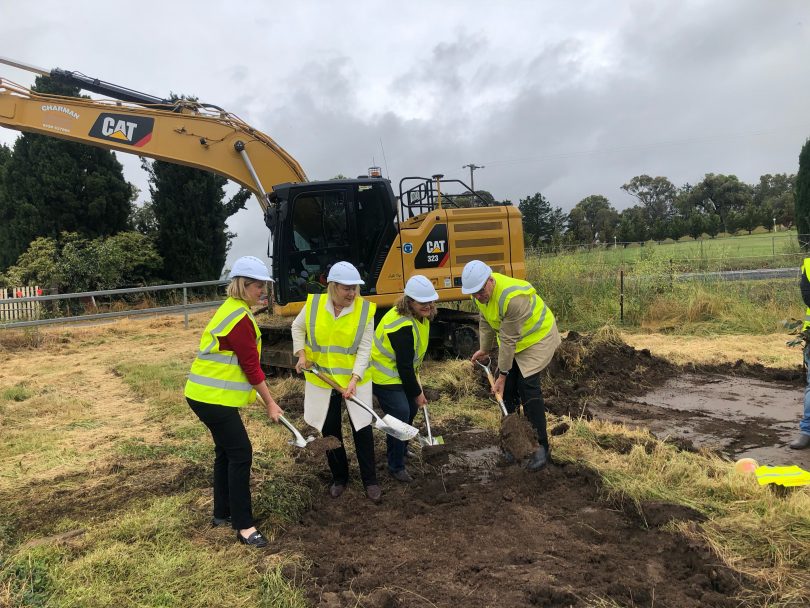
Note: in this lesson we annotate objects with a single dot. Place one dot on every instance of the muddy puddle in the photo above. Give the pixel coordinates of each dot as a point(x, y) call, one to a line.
point(735, 415)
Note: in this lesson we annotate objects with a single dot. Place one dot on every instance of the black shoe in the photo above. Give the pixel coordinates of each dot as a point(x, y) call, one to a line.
point(216, 522)
point(374, 492)
point(336, 489)
point(538, 460)
point(800, 443)
point(401, 475)
point(254, 540)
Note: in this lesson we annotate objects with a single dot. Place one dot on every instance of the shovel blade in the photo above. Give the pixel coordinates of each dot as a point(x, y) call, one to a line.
point(396, 428)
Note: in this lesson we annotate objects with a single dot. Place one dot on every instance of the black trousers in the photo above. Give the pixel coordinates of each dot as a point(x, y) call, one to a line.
point(363, 446)
point(233, 457)
point(527, 391)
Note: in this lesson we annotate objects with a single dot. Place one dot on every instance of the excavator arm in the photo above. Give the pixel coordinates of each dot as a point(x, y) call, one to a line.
point(178, 131)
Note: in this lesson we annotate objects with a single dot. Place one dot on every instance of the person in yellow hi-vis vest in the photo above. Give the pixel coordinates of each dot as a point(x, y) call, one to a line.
point(803, 440)
point(334, 331)
point(225, 376)
point(514, 316)
point(400, 344)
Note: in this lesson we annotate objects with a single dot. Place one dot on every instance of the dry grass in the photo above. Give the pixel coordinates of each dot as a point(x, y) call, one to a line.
point(769, 350)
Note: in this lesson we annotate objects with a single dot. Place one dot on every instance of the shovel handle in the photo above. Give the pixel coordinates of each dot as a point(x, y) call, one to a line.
point(295, 432)
point(491, 378)
point(331, 382)
point(427, 424)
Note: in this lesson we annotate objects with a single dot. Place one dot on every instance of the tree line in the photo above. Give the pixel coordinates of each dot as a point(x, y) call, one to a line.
point(718, 203)
point(68, 218)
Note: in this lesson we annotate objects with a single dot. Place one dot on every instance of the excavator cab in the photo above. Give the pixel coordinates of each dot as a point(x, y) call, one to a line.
point(316, 224)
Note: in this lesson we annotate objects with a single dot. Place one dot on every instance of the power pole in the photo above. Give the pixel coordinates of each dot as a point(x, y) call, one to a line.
point(472, 167)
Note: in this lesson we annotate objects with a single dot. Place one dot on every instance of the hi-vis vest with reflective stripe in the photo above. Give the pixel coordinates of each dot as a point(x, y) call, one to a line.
point(216, 376)
point(806, 271)
point(536, 326)
point(383, 359)
point(332, 343)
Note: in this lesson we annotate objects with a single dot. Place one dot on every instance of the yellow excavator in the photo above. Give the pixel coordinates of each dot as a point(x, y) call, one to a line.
point(313, 224)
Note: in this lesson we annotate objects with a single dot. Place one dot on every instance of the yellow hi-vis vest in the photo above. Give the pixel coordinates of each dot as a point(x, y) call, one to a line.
point(806, 271)
point(332, 343)
point(383, 359)
point(216, 376)
point(536, 326)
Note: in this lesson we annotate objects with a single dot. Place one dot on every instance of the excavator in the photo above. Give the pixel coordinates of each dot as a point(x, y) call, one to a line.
point(313, 224)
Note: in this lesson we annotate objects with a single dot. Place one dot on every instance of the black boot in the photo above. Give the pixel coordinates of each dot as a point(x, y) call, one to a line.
point(800, 443)
point(538, 460)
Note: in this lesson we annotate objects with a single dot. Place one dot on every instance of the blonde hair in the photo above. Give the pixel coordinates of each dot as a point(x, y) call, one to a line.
point(237, 288)
point(331, 289)
point(403, 306)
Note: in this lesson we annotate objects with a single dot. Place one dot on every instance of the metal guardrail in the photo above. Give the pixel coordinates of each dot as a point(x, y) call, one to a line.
point(185, 307)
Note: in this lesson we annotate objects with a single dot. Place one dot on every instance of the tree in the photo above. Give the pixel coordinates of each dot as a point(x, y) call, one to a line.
point(73, 263)
point(192, 236)
point(802, 196)
point(142, 219)
point(593, 218)
point(52, 185)
point(773, 196)
point(541, 223)
point(721, 195)
point(657, 196)
point(632, 225)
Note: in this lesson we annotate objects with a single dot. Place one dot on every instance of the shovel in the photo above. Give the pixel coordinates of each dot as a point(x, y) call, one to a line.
point(430, 439)
point(491, 379)
point(298, 440)
point(388, 424)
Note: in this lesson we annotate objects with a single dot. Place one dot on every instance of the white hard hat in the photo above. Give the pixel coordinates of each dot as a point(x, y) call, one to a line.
point(420, 288)
point(473, 277)
point(250, 267)
point(345, 274)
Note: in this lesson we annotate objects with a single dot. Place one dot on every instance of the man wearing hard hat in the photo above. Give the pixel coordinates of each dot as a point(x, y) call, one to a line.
point(524, 328)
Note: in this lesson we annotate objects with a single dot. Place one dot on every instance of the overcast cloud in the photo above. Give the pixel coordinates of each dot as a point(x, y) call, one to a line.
point(564, 98)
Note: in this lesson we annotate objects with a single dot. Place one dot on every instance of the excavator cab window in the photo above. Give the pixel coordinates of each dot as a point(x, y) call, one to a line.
point(325, 222)
point(320, 236)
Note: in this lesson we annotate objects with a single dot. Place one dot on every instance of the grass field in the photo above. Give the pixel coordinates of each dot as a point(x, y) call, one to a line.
point(767, 250)
point(104, 476)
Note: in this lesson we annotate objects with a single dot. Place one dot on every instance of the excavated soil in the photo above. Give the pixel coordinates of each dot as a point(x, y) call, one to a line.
point(518, 437)
point(472, 531)
point(476, 533)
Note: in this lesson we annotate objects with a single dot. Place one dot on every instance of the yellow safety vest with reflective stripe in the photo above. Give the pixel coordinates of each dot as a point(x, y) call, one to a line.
point(216, 376)
point(806, 271)
point(536, 326)
point(383, 359)
point(332, 343)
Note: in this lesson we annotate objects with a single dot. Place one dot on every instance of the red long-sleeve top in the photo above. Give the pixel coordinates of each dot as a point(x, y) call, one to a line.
point(242, 341)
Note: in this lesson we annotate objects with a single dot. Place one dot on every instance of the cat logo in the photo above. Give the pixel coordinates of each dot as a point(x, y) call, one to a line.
point(123, 129)
point(435, 246)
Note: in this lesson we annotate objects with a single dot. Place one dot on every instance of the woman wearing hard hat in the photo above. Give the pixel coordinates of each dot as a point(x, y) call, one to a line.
point(400, 344)
point(224, 377)
point(334, 331)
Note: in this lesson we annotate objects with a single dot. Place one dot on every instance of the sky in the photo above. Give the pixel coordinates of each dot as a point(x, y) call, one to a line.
point(563, 98)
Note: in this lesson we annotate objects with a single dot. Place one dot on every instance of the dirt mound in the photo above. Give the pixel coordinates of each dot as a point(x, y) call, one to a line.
point(585, 368)
point(475, 533)
point(518, 437)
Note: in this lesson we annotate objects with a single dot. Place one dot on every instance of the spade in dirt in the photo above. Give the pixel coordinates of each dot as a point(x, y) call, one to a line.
point(518, 438)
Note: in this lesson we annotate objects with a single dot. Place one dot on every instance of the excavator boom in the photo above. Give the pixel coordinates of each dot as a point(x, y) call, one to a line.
point(183, 132)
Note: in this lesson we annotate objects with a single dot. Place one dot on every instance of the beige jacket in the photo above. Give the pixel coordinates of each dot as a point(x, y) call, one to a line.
point(530, 360)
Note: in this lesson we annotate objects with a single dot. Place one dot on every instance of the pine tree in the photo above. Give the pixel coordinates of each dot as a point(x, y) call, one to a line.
point(52, 186)
point(188, 206)
point(802, 194)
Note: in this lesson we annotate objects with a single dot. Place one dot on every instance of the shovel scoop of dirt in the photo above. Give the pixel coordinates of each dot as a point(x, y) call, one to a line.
point(518, 437)
point(316, 449)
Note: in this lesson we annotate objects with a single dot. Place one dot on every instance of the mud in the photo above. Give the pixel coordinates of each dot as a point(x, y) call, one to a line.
point(321, 445)
point(476, 533)
point(518, 437)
